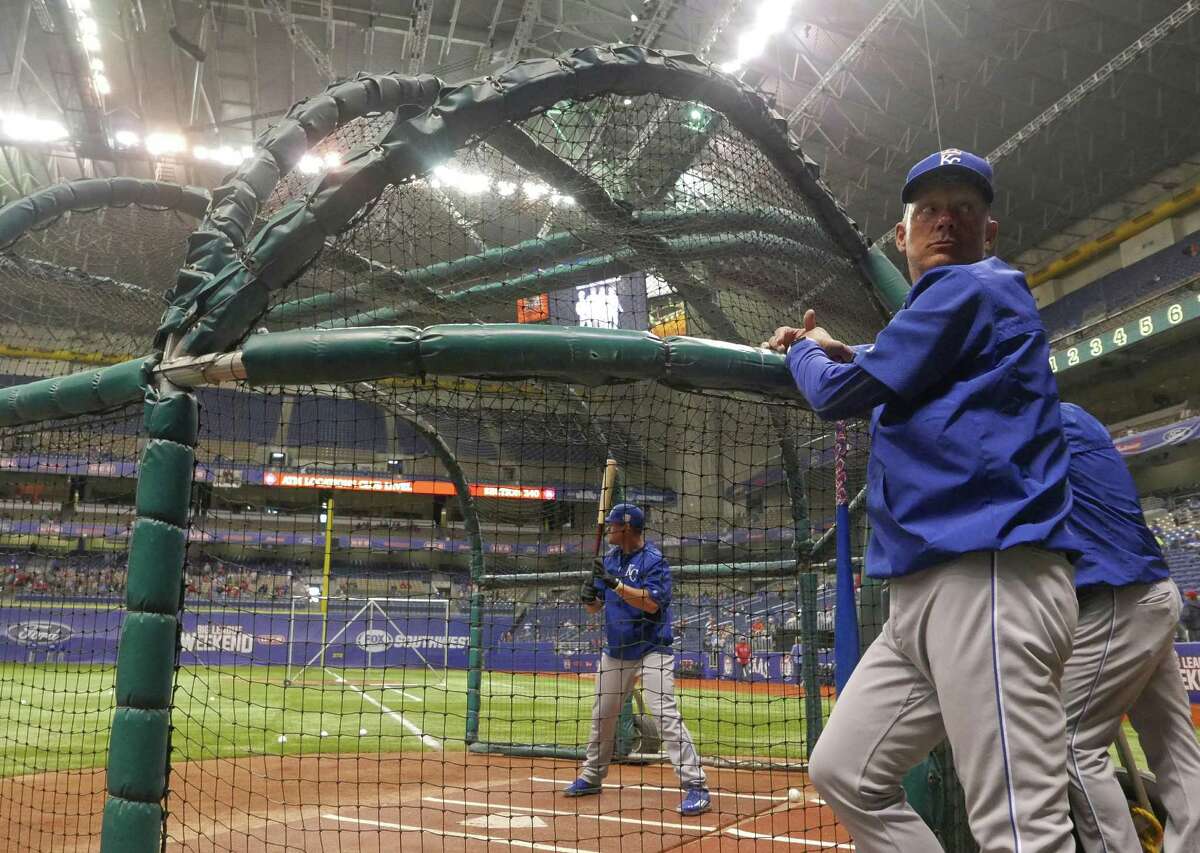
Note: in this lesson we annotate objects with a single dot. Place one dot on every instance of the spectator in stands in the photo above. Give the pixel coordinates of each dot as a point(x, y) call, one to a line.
point(743, 653)
point(1191, 615)
point(712, 644)
point(798, 661)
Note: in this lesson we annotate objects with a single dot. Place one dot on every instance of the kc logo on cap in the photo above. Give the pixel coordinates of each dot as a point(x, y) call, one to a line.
point(958, 164)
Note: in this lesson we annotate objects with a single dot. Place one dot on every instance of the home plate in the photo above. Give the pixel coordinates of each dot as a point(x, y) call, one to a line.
point(506, 821)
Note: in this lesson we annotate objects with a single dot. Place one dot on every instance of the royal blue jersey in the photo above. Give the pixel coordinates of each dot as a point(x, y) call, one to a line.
point(1118, 547)
point(967, 450)
point(631, 633)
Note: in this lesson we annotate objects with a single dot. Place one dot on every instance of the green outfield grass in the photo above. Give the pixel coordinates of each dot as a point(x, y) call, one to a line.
point(56, 716)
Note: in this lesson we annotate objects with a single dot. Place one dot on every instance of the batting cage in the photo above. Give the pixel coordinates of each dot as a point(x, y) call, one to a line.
point(318, 573)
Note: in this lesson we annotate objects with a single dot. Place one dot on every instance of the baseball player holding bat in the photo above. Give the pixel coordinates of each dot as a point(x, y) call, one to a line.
point(968, 499)
point(1124, 659)
point(632, 584)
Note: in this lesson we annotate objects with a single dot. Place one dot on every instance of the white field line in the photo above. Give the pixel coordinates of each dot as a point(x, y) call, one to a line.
point(787, 839)
point(657, 824)
point(450, 833)
point(769, 797)
point(397, 689)
point(399, 718)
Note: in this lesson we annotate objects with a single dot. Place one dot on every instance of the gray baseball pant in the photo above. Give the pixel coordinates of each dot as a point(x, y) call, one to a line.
point(1124, 662)
point(614, 683)
point(973, 651)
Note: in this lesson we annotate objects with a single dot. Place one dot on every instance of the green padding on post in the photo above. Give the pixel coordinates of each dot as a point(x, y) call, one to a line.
point(507, 350)
point(174, 416)
point(165, 481)
point(700, 363)
point(137, 754)
point(76, 394)
point(889, 283)
point(131, 827)
point(504, 350)
point(342, 356)
point(474, 669)
point(146, 660)
point(156, 555)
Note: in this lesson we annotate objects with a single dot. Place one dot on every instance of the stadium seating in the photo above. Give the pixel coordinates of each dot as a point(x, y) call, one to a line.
point(1123, 288)
point(1178, 531)
point(230, 415)
point(346, 424)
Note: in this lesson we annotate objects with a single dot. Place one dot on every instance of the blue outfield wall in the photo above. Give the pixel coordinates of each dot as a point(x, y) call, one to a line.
point(229, 637)
point(79, 634)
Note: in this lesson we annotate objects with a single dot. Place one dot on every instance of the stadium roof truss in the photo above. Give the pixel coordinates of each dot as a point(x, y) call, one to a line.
point(1083, 102)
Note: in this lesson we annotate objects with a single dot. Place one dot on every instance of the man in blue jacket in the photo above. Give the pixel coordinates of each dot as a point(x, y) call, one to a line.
point(632, 584)
point(1124, 660)
point(968, 501)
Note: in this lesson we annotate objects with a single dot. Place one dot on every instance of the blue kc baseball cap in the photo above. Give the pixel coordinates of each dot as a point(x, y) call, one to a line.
point(951, 162)
point(627, 514)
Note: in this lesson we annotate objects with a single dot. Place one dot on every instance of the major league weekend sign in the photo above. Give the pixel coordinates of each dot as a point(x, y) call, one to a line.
point(1189, 668)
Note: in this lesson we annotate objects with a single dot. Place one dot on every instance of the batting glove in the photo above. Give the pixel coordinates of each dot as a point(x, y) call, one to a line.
point(588, 592)
point(601, 574)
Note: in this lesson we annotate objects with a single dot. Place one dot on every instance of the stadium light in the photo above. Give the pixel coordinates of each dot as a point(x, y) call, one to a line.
point(772, 18)
point(126, 138)
point(468, 183)
point(309, 164)
point(23, 128)
point(159, 144)
point(535, 190)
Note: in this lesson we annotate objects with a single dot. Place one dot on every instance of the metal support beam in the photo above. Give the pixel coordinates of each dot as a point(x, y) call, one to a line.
point(523, 34)
point(299, 38)
point(825, 84)
point(14, 83)
point(419, 43)
point(1102, 74)
point(648, 30)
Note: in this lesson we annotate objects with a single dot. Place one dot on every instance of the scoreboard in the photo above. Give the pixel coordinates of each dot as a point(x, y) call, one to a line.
point(1165, 317)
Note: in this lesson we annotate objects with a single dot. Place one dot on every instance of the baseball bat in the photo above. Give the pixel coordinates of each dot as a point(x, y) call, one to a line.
point(1125, 754)
point(845, 629)
point(606, 494)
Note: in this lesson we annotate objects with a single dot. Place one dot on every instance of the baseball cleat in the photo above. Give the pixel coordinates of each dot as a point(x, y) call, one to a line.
point(581, 788)
point(696, 802)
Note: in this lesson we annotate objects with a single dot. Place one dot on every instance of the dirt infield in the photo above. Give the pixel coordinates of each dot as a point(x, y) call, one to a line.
point(445, 802)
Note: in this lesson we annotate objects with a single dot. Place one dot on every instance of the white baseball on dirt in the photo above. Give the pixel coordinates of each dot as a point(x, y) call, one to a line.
point(795, 795)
